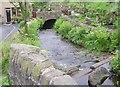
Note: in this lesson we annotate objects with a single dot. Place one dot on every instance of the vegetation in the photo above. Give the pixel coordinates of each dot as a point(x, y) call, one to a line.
point(39, 5)
point(77, 35)
point(65, 27)
point(18, 38)
point(33, 32)
point(99, 39)
point(105, 13)
point(17, 19)
point(115, 63)
point(24, 6)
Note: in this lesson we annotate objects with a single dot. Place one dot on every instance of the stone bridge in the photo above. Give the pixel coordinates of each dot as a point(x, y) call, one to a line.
point(47, 15)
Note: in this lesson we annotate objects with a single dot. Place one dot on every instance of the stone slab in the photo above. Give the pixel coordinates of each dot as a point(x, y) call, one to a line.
point(100, 63)
point(48, 74)
point(63, 80)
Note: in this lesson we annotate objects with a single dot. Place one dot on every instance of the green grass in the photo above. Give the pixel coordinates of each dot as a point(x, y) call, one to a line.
point(115, 63)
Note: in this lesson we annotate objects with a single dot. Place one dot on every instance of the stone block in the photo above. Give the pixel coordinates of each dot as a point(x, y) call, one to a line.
point(38, 69)
point(97, 77)
point(38, 57)
point(63, 80)
point(48, 74)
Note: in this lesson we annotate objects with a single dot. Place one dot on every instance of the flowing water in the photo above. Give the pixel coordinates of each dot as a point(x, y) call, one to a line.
point(67, 56)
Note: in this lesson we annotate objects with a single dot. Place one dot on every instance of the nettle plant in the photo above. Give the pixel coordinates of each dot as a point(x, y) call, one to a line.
point(58, 23)
point(65, 27)
point(98, 40)
point(77, 35)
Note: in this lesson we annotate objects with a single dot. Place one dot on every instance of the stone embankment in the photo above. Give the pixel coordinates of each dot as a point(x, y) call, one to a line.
point(29, 65)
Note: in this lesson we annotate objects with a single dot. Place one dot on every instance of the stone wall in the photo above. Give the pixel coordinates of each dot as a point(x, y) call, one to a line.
point(46, 15)
point(29, 65)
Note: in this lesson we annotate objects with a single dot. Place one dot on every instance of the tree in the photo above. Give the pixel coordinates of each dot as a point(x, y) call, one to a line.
point(24, 6)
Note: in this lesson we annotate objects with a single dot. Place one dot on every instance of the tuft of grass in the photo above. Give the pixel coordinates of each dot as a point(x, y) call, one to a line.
point(115, 63)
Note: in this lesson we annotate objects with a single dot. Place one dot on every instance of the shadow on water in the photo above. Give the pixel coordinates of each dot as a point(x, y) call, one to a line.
point(48, 24)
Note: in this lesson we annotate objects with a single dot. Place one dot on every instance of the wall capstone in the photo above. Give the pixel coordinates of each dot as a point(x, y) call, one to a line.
point(30, 65)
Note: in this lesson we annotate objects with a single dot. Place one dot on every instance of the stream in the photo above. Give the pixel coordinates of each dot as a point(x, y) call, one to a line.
point(71, 58)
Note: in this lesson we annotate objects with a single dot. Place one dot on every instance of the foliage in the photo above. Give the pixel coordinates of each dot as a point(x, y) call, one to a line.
point(115, 63)
point(33, 29)
point(114, 41)
point(4, 80)
point(22, 24)
point(5, 49)
point(98, 40)
point(81, 19)
point(103, 10)
point(39, 5)
point(34, 26)
point(58, 23)
point(65, 27)
point(17, 19)
point(77, 35)
point(4, 64)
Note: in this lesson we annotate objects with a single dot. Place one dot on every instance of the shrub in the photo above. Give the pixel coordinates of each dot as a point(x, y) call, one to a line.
point(98, 40)
point(33, 27)
point(115, 63)
point(58, 23)
point(22, 24)
point(5, 49)
point(114, 41)
point(77, 35)
point(65, 27)
point(17, 19)
point(4, 80)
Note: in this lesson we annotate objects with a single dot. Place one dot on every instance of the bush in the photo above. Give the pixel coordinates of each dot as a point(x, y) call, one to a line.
point(34, 26)
point(33, 31)
point(114, 41)
point(22, 24)
point(4, 63)
point(65, 27)
point(98, 40)
point(115, 63)
point(4, 80)
point(77, 35)
point(5, 49)
point(17, 19)
point(58, 23)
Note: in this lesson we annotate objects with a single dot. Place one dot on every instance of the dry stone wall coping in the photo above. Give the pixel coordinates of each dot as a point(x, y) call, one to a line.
point(29, 65)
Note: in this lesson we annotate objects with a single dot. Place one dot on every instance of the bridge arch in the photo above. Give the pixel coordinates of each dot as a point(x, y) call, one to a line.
point(49, 24)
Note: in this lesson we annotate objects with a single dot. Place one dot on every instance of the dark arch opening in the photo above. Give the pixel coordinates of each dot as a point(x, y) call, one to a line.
point(49, 24)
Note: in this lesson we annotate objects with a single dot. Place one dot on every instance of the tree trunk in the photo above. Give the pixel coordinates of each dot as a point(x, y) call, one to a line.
point(26, 27)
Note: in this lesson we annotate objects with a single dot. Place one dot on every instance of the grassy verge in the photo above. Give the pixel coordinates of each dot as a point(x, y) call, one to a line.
point(18, 38)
